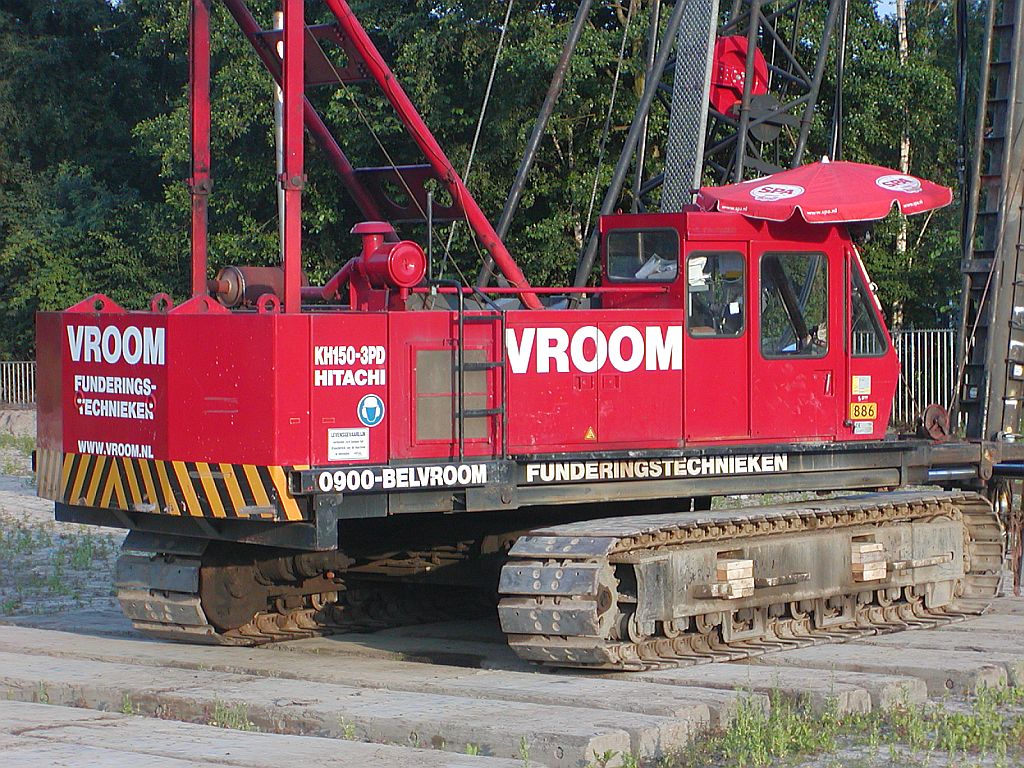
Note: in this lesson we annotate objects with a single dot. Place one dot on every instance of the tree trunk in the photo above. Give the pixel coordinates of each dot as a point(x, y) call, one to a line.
point(901, 231)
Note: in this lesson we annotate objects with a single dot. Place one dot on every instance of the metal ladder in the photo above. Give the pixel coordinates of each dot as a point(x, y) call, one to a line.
point(462, 367)
point(992, 326)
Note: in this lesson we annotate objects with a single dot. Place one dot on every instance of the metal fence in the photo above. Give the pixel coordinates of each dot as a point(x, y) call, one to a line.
point(928, 361)
point(17, 383)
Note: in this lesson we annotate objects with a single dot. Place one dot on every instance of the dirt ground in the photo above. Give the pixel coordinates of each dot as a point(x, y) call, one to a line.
point(45, 566)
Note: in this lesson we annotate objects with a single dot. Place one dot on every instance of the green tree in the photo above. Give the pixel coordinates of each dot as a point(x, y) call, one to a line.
point(880, 95)
point(65, 232)
point(94, 120)
point(72, 189)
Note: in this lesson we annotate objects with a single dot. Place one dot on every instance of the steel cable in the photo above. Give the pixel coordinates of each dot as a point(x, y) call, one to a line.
point(608, 117)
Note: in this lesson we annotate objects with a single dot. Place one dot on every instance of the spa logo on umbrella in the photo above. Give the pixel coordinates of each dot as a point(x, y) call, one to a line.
point(897, 182)
point(767, 193)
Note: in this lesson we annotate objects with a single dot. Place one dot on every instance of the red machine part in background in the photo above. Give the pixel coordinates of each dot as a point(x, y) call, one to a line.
point(380, 277)
point(374, 275)
point(728, 73)
point(388, 264)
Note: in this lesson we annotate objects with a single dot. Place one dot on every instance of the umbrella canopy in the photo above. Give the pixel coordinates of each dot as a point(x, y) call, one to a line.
point(826, 193)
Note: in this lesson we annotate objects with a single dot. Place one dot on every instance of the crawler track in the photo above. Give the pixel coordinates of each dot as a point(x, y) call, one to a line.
point(359, 604)
point(619, 593)
point(633, 593)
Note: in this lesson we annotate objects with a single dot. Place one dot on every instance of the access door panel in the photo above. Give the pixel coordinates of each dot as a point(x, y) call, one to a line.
point(640, 382)
point(717, 381)
point(349, 406)
point(798, 354)
point(424, 384)
point(552, 400)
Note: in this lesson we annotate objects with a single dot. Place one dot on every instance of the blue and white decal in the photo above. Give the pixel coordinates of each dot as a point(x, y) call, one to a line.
point(371, 410)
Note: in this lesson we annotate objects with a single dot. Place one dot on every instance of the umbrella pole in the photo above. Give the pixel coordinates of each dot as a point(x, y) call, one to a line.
point(836, 145)
point(748, 81)
point(812, 95)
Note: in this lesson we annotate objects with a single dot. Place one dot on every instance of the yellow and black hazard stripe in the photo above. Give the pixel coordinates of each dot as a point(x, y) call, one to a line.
point(191, 488)
point(49, 469)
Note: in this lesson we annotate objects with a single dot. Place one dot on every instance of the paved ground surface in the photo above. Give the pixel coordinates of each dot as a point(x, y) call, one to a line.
point(356, 694)
point(79, 687)
point(17, 438)
point(47, 567)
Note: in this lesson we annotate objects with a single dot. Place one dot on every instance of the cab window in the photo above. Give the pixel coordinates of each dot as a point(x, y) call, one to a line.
point(867, 339)
point(794, 305)
point(715, 290)
point(646, 255)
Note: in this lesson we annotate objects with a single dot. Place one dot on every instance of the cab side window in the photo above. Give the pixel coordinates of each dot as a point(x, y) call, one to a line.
point(794, 305)
point(715, 293)
point(867, 339)
point(647, 255)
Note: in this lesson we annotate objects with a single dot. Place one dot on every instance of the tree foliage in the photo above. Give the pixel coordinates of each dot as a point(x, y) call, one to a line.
point(95, 145)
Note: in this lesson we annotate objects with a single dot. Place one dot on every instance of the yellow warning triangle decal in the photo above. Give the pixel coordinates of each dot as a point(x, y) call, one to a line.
point(590, 434)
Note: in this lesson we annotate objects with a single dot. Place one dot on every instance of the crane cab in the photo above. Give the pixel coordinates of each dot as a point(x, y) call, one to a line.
point(783, 339)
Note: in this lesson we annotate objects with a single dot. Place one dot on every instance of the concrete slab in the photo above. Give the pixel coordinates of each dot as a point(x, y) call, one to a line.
point(1000, 605)
point(472, 645)
point(942, 671)
point(560, 690)
point(820, 691)
point(886, 691)
point(36, 753)
point(1003, 648)
point(724, 705)
point(559, 736)
point(101, 623)
point(482, 630)
point(1012, 624)
point(433, 650)
point(620, 696)
point(17, 717)
point(38, 735)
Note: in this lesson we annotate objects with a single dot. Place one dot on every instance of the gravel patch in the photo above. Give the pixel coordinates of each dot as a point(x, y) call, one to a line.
point(46, 566)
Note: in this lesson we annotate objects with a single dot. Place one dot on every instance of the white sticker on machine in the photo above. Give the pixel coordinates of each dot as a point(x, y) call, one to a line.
point(861, 385)
point(348, 444)
point(863, 427)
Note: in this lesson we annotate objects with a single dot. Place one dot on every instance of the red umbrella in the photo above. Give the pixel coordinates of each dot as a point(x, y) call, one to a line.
point(827, 193)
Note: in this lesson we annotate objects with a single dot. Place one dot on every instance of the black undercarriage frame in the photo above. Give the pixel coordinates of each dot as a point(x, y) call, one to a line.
point(885, 464)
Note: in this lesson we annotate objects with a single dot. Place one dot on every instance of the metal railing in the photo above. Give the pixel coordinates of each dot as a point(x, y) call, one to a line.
point(928, 363)
point(17, 383)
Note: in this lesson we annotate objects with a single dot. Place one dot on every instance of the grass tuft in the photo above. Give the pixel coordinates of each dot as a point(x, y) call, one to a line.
point(128, 707)
point(987, 727)
point(44, 565)
point(22, 443)
point(348, 729)
point(524, 751)
point(233, 716)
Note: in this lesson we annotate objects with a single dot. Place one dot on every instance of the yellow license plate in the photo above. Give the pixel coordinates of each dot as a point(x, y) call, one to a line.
point(863, 411)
